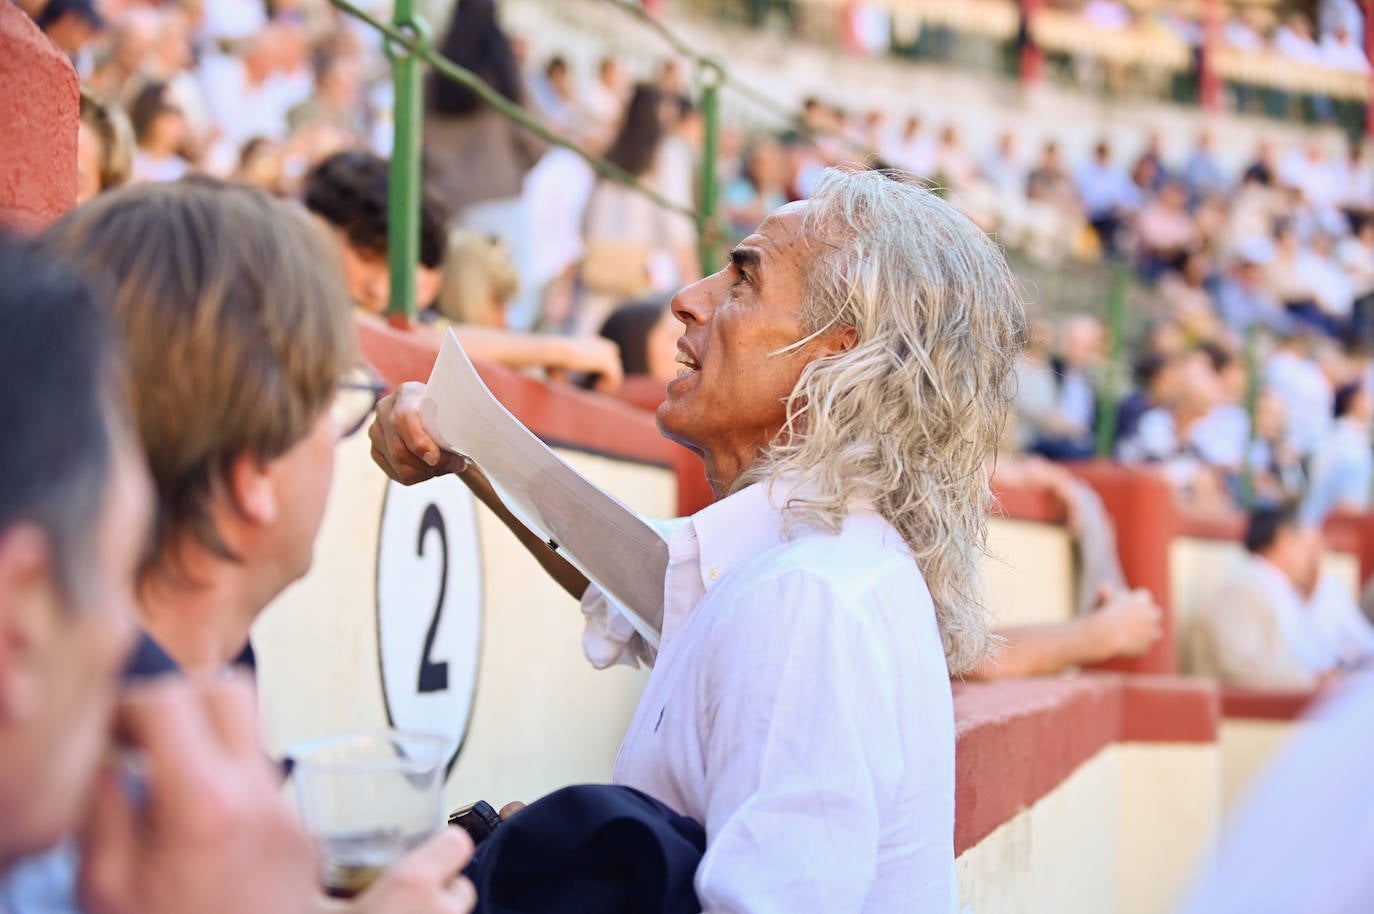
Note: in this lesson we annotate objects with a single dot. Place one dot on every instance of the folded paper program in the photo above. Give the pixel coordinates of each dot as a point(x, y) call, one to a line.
point(606, 541)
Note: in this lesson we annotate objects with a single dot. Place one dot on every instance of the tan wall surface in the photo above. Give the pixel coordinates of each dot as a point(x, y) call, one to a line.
point(542, 717)
point(1197, 567)
point(1028, 579)
point(1247, 747)
point(1057, 856)
point(1170, 796)
point(1121, 835)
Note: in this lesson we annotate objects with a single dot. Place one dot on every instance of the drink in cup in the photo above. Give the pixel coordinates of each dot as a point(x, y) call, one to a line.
point(369, 798)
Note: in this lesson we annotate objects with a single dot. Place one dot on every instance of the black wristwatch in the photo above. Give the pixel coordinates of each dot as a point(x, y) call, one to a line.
point(479, 820)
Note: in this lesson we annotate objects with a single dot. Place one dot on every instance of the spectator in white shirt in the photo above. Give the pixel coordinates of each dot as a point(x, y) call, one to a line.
point(1245, 32)
point(1340, 625)
point(1310, 170)
point(1108, 194)
point(1343, 468)
point(1175, 436)
point(1339, 50)
point(232, 20)
point(1356, 180)
point(1341, 13)
point(603, 102)
point(1061, 416)
point(1002, 167)
point(1356, 256)
point(1304, 390)
point(1256, 631)
point(1107, 14)
point(912, 149)
point(799, 704)
point(1332, 286)
point(1203, 172)
point(1294, 40)
point(131, 42)
point(247, 94)
point(172, 60)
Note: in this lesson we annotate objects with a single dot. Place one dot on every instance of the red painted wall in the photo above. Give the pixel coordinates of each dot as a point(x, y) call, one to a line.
point(39, 105)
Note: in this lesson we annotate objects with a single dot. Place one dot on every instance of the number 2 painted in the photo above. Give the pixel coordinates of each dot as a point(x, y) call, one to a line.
point(429, 632)
point(434, 676)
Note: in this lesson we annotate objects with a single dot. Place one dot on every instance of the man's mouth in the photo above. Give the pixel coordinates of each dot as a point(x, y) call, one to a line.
point(688, 363)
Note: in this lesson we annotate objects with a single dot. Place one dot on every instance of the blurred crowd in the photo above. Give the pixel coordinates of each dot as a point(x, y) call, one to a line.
point(1251, 382)
point(1251, 377)
point(1335, 39)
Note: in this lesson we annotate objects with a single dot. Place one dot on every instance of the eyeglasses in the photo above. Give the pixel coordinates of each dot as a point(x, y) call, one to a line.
point(357, 397)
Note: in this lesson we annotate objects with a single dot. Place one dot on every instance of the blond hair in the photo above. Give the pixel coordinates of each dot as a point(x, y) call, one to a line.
point(110, 124)
point(235, 323)
point(479, 273)
point(908, 417)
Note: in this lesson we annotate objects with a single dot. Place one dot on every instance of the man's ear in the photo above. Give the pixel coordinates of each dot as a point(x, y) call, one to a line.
point(248, 484)
point(28, 620)
point(837, 339)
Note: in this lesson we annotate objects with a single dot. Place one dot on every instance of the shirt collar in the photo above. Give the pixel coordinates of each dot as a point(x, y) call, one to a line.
point(737, 528)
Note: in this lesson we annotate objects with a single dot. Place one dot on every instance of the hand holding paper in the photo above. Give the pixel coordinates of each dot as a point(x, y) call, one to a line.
point(606, 541)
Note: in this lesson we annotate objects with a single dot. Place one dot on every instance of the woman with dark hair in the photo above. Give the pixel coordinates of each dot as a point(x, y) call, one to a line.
point(159, 131)
point(476, 156)
point(634, 246)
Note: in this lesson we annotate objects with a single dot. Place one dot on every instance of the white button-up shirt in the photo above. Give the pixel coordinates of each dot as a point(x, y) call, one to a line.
point(800, 708)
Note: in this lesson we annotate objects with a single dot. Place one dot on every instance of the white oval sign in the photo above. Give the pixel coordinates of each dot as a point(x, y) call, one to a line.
point(429, 607)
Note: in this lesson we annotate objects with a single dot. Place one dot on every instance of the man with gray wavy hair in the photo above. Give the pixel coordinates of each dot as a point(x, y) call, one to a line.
point(843, 380)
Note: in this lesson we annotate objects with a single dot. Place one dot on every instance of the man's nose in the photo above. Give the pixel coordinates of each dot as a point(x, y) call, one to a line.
point(694, 304)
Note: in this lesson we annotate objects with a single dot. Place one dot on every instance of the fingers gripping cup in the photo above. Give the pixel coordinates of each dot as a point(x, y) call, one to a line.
point(368, 798)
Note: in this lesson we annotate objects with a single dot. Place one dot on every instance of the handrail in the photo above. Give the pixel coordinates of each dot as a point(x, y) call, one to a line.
point(403, 188)
point(409, 42)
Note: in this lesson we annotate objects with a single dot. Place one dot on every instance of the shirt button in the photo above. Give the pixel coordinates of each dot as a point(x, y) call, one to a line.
point(714, 574)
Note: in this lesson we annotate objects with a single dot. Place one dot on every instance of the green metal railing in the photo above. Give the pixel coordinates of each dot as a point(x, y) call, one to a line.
point(404, 188)
point(1109, 391)
point(409, 45)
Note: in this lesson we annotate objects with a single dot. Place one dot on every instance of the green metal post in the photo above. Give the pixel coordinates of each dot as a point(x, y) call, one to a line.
point(708, 246)
point(1108, 390)
point(403, 204)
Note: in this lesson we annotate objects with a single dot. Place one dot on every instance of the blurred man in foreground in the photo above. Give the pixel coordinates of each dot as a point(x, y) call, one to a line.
point(212, 835)
point(238, 338)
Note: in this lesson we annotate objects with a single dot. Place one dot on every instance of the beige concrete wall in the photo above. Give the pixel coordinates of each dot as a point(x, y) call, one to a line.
point(1170, 805)
point(1247, 748)
point(1197, 567)
point(1121, 835)
point(1057, 856)
point(541, 717)
point(1029, 577)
